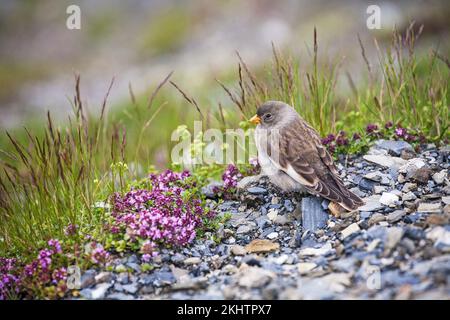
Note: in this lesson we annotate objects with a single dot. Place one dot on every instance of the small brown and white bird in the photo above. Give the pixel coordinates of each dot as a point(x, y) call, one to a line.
point(291, 154)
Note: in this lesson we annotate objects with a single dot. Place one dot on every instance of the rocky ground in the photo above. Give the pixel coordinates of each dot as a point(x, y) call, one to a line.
point(284, 246)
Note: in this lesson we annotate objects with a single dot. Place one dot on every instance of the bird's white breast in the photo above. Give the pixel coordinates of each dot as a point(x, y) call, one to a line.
point(268, 166)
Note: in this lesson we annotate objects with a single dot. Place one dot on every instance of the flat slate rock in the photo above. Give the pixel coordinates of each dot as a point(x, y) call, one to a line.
point(313, 215)
point(394, 147)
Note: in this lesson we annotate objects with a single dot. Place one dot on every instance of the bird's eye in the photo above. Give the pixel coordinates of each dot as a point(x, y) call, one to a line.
point(268, 116)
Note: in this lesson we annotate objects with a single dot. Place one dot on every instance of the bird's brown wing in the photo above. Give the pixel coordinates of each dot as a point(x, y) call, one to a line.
point(306, 160)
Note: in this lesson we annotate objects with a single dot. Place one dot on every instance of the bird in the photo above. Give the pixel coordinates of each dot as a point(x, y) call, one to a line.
point(291, 154)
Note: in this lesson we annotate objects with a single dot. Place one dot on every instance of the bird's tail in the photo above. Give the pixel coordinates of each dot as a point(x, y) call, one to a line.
point(351, 201)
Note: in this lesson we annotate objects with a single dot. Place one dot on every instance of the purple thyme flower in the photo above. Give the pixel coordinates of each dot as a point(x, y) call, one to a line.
point(55, 245)
point(371, 128)
point(99, 255)
point(400, 132)
point(71, 229)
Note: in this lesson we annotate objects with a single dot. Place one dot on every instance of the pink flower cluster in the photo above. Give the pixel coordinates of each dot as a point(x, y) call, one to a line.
point(41, 268)
point(98, 254)
point(41, 272)
point(168, 214)
point(332, 142)
point(339, 143)
point(9, 281)
point(231, 176)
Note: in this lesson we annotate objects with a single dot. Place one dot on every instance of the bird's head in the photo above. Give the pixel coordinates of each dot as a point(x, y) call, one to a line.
point(271, 113)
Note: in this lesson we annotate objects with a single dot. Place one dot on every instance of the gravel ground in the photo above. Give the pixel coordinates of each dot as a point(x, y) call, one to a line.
point(289, 246)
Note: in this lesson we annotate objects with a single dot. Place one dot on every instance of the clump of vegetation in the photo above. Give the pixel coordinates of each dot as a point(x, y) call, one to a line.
point(165, 211)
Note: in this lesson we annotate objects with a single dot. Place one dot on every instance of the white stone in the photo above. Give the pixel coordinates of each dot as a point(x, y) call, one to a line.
point(192, 261)
point(238, 250)
point(99, 291)
point(388, 199)
point(305, 267)
point(439, 177)
point(272, 235)
point(412, 164)
point(394, 235)
point(385, 161)
point(439, 235)
point(272, 214)
point(409, 196)
point(351, 229)
point(372, 203)
point(373, 245)
point(409, 187)
point(254, 277)
point(325, 249)
point(431, 207)
point(379, 189)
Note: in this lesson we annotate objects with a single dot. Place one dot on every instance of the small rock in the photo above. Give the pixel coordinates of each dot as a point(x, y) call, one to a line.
point(351, 229)
point(411, 166)
point(288, 205)
point(272, 235)
point(238, 250)
point(305, 267)
point(440, 236)
point(272, 214)
point(281, 220)
point(409, 187)
point(365, 184)
point(87, 279)
point(243, 229)
point(261, 246)
point(430, 207)
point(439, 177)
point(422, 175)
point(192, 260)
point(322, 251)
point(257, 190)
point(409, 196)
point(374, 176)
point(437, 219)
point(120, 296)
point(99, 291)
point(395, 216)
point(130, 288)
point(255, 277)
point(394, 235)
point(388, 199)
point(385, 161)
point(394, 147)
point(372, 203)
point(379, 189)
point(446, 200)
point(372, 246)
point(191, 284)
point(103, 277)
point(376, 218)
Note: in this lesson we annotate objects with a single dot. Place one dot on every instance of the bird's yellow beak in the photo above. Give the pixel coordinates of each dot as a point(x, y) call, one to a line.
point(255, 119)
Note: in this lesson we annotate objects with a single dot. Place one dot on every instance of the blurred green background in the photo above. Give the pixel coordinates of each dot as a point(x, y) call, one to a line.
point(139, 42)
